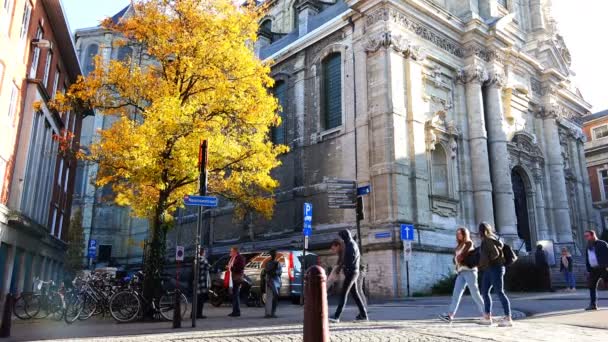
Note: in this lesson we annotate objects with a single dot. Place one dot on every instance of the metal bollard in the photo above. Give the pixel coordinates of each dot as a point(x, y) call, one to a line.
point(316, 319)
point(5, 328)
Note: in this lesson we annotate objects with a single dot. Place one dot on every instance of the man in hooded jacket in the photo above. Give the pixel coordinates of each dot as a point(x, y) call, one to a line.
point(350, 267)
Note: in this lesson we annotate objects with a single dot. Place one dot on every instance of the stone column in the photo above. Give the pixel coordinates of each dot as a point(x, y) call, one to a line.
point(579, 191)
point(9, 264)
point(537, 21)
point(488, 9)
point(474, 76)
point(305, 9)
point(542, 231)
point(500, 171)
point(466, 190)
point(580, 147)
point(21, 275)
point(389, 149)
point(417, 143)
point(555, 163)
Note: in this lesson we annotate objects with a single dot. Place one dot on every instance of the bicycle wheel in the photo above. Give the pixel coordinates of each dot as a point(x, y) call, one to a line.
point(73, 308)
point(20, 305)
point(34, 307)
point(166, 305)
point(56, 306)
point(89, 307)
point(125, 306)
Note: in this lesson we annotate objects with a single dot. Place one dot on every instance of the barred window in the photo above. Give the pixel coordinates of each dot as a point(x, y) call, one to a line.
point(278, 132)
point(332, 91)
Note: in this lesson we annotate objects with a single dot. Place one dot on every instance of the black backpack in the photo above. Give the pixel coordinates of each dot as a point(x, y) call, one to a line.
point(508, 254)
point(472, 259)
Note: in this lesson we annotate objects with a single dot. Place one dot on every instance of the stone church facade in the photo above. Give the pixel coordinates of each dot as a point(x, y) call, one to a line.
point(455, 112)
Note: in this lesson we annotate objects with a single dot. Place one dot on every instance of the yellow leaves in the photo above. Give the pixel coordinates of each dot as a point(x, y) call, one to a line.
point(202, 81)
point(37, 106)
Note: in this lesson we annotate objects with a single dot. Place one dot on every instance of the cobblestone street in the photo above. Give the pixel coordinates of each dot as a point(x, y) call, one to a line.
point(552, 317)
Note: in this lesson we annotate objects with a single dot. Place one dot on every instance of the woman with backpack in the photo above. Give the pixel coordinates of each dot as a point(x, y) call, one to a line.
point(272, 276)
point(466, 270)
point(492, 263)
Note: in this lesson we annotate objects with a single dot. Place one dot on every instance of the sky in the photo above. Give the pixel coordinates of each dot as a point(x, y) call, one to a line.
point(581, 22)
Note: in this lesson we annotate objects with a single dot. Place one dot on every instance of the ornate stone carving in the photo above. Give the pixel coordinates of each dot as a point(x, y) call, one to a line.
point(524, 150)
point(473, 73)
point(421, 30)
point(560, 44)
point(497, 79)
point(437, 129)
point(388, 39)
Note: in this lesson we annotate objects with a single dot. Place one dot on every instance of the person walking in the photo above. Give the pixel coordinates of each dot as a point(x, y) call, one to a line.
point(203, 283)
point(350, 267)
point(334, 277)
point(492, 264)
point(566, 266)
point(597, 265)
point(272, 276)
point(540, 258)
point(236, 270)
point(466, 275)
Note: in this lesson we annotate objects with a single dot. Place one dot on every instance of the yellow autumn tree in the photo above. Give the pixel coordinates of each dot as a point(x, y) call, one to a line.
point(201, 81)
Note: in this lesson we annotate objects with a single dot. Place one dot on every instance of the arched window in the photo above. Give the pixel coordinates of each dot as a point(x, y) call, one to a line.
point(331, 106)
point(280, 92)
point(89, 58)
point(124, 52)
point(266, 26)
point(439, 169)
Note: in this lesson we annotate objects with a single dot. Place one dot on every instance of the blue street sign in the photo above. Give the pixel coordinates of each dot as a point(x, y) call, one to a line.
point(407, 232)
point(307, 219)
point(201, 201)
point(364, 190)
point(92, 248)
point(382, 235)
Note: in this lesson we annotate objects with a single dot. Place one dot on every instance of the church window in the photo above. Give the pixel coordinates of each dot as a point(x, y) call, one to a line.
point(332, 91)
point(89, 58)
point(280, 92)
point(600, 132)
point(124, 52)
point(439, 169)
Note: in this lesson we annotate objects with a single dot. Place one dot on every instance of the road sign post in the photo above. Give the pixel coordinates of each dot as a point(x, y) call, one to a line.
point(92, 251)
point(306, 233)
point(202, 167)
point(407, 236)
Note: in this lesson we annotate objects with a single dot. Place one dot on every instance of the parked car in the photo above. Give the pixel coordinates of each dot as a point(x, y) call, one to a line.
point(291, 278)
point(217, 293)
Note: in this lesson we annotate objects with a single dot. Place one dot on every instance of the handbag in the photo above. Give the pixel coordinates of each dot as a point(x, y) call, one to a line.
point(228, 280)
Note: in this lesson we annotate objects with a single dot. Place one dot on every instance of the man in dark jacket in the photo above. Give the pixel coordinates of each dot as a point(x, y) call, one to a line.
point(596, 255)
point(541, 262)
point(236, 267)
point(350, 267)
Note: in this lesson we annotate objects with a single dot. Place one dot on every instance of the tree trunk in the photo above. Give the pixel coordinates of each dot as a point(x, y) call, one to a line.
point(154, 265)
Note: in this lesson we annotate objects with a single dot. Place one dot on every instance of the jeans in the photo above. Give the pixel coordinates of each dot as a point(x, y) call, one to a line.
point(350, 283)
point(272, 300)
point(493, 277)
point(236, 299)
point(594, 277)
point(466, 278)
point(570, 280)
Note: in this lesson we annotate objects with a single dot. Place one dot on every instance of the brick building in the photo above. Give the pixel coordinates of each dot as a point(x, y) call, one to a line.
point(596, 150)
point(37, 60)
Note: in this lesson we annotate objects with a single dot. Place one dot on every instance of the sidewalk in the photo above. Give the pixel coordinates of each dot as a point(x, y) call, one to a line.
point(557, 317)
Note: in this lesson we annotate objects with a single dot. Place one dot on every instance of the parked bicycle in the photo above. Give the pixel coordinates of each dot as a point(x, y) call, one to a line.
point(129, 304)
point(46, 300)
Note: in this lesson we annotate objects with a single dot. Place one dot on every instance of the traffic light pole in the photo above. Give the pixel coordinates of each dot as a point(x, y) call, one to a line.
point(202, 166)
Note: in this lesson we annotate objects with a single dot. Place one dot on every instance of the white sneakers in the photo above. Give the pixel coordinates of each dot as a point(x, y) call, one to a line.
point(504, 322)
